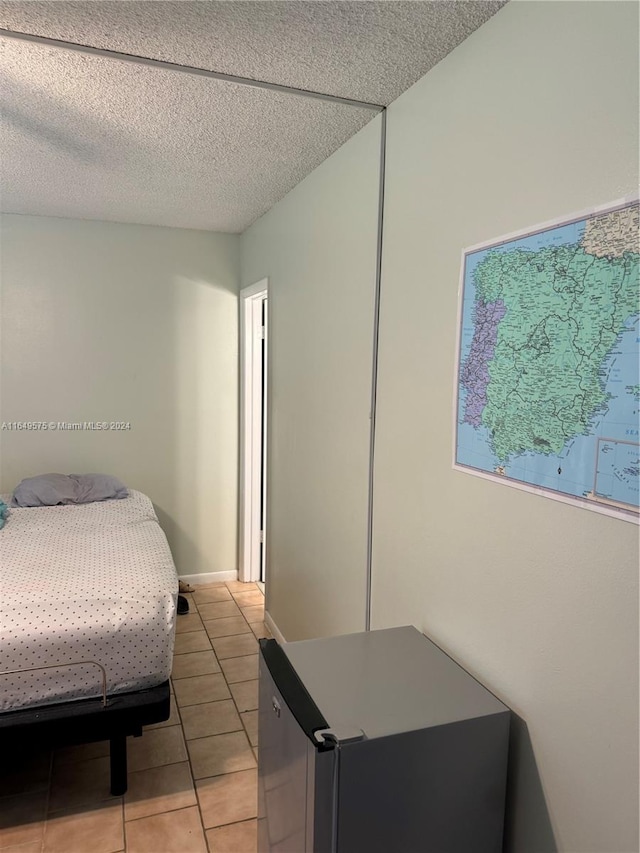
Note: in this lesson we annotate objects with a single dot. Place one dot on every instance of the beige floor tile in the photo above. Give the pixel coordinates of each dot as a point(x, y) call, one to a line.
point(211, 718)
point(218, 610)
point(205, 595)
point(28, 773)
point(171, 832)
point(240, 586)
point(81, 752)
point(78, 783)
point(250, 722)
point(174, 719)
point(95, 830)
point(194, 663)
point(228, 798)
point(159, 789)
point(254, 613)
point(22, 818)
point(240, 669)
point(226, 627)
point(234, 838)
point(201, 688)
point(260, 630)
point(212, 756)
point(245, 694)
point(156, 747)
point(249, 599)
point(187, 624)
point(233, 647)
point(196, 641)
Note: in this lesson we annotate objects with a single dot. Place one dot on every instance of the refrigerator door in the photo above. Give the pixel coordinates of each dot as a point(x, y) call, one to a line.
point(286, 758)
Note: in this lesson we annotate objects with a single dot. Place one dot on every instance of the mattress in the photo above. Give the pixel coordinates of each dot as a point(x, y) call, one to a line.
point(94, 582)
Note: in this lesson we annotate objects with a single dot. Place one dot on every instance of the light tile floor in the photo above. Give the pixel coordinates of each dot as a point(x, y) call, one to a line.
point(192, 779)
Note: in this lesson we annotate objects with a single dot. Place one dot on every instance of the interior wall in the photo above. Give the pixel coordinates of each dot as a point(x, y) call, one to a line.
point(137, 324)
point(318, 249)
point(533, 117)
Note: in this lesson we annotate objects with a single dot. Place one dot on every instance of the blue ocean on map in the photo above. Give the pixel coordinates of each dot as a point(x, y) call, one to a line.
point(606, 461)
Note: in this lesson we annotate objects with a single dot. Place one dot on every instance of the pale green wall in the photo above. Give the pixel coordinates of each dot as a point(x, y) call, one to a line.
point(533, 117)
point(318, 248)
point(102, 321)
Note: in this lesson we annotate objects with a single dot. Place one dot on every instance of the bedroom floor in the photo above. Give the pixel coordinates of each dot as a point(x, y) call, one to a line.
point(192, 779)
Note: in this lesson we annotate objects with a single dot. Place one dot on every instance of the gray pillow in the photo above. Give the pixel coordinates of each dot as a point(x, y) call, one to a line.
point(60, 489)
point(45, 490)
point(99, 487)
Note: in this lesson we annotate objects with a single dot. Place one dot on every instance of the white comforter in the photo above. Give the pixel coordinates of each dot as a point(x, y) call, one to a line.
point(84, 583)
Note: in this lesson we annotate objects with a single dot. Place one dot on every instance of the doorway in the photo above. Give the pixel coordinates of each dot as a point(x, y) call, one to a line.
point(253, 432)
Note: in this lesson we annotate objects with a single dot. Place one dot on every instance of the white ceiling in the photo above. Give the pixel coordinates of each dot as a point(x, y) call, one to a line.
point(95, 138)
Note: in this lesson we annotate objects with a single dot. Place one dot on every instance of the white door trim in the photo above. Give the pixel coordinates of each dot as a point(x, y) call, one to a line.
point(250, 430)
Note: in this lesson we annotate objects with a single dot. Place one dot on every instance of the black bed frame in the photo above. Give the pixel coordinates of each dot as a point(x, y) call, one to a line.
point(87, 720)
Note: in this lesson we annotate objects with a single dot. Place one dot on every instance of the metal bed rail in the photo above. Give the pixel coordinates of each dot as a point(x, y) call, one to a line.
point(61, 666)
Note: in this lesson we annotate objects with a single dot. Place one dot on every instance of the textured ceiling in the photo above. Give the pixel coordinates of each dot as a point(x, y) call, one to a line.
point(370, 51)
point(89, 137)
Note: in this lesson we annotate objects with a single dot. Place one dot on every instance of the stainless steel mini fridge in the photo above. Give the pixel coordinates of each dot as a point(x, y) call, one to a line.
point(377, 743)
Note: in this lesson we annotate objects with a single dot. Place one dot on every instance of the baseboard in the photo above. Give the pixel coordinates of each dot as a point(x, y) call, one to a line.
point(210, 577)
point(271, 625)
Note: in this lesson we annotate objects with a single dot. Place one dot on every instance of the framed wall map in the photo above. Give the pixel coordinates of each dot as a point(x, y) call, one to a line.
point(547, 386)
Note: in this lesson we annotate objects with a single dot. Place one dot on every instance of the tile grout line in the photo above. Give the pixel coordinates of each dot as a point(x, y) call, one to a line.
point(186, 745)
point(239, 713)
point(166, 811)
point(243, 729)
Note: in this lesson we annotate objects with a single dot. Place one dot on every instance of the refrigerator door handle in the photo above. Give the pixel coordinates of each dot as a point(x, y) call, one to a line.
point(292, 691)
point(339, 735)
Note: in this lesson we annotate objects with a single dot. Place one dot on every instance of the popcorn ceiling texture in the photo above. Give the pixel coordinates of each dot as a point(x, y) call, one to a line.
point(370, 51)
point(89, 138)
point(94, 138)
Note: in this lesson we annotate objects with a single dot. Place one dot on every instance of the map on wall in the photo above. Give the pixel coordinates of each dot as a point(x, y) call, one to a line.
point(548, 371)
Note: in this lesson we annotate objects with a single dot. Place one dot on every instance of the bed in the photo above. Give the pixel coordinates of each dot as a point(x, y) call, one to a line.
point(87, 625)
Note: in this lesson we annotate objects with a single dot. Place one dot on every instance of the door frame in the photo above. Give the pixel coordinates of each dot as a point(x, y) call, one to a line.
point(251, 430)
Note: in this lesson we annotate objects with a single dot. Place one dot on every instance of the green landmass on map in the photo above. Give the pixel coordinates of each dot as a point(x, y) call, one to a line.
point(634, 390)
point(564, 311)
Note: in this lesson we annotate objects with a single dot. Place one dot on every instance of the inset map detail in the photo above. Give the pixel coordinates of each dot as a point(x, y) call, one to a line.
point(612, 234)
point(618, 471)
point(549, 356)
